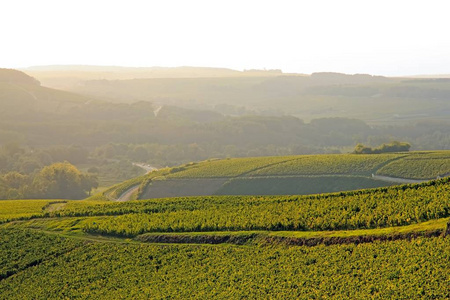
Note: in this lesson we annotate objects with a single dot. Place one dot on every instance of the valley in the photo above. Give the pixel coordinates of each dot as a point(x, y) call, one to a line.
point(223, 201)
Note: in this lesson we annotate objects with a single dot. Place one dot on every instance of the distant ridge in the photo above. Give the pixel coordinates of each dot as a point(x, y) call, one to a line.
point(96, 68)
point(145, 72)
point(15, 76)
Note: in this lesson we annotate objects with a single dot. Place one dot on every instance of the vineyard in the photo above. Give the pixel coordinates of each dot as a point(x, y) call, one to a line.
point(419, 166)
point(385, 242)
point(287, 175)
point(226, 167)
point(348, 164)
point(352, 210)
point(62, 268)
point(364, 209)
point(21, 209)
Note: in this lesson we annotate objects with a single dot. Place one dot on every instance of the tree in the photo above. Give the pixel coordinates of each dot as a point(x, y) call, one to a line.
point(14, 179)
point(361, 149)
point(63, 180)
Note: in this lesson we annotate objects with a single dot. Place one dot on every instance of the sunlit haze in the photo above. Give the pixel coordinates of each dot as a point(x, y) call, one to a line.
point(376, 37)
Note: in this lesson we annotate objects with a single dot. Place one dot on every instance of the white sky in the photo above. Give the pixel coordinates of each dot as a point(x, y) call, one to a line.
point(392, 37)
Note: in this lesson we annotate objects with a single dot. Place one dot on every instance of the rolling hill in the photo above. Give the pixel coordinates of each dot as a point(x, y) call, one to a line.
point(289, 175)
point(373, 99)
point(379, 243)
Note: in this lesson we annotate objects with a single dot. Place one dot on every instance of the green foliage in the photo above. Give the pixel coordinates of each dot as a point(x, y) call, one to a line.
point(35, 265)
point(59, 180)
point(62, 180)
point(22, 249)
point(404, 269)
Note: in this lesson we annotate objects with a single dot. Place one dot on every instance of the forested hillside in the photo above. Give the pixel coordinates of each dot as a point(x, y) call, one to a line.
point(373, 99)
point(158, 133)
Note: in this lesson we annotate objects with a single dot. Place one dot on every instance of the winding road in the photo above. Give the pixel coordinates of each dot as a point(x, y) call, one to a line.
point(127, 194)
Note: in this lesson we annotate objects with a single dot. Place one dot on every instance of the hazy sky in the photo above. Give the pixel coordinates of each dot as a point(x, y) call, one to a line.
point(392, 37)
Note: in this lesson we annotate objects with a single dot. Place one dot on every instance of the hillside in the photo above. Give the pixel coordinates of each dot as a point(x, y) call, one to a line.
point(165, 135)
point(12, 76)
point(373, 99)
point(289, 175)
point(39, 116)
point(383, 243)
point(23, 96)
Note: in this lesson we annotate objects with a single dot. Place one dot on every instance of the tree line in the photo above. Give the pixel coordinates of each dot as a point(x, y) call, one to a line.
point(56, 181)
point(394, 146)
